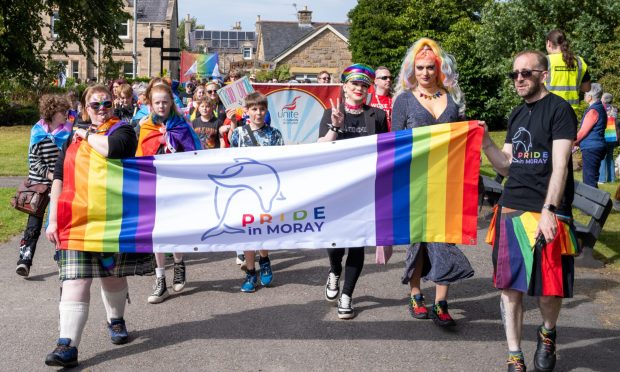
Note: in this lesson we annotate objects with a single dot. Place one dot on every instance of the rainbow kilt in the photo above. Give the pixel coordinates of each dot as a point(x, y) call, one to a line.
point(547, 271)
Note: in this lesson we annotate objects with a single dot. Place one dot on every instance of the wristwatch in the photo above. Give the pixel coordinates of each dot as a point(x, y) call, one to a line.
point(550, 207)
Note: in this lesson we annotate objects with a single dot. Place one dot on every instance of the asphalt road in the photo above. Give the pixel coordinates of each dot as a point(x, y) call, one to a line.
point(289, 326)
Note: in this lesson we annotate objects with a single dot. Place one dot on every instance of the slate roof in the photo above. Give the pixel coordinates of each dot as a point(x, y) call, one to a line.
point(278, 37)
point(152, 10)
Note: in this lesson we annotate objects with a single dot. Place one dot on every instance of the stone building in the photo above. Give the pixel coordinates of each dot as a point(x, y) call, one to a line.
point(153, 16)
point(306, 47)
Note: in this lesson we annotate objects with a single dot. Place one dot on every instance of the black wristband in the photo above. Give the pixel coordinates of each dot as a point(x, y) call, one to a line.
point(550, 207)
point(333, 128)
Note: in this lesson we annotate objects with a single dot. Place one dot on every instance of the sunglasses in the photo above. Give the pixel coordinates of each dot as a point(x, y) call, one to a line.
point(97, 105)
point(210, 91)
point(384, 77)
point(513, 75)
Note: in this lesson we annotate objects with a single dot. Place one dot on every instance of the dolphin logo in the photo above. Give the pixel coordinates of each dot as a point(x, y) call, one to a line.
point(229, 185)
point(522, 139)
point(291, 106)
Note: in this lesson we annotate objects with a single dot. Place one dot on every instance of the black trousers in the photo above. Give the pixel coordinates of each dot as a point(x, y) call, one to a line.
point(353, 266)
point(32, 232)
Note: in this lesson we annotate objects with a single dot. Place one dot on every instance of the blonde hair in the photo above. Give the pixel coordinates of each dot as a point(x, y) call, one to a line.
point(447, 76)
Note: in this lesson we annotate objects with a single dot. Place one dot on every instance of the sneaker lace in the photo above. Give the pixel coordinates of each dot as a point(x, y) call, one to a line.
point(117, 327)
point(517, 362)
point(179, 273)
point(62, 348)
point(345, 302)
point(159, 285)
point(442, 313)
point(332, 281)
point(548, 344)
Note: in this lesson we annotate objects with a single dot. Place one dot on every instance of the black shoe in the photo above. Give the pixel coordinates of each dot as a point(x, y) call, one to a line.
point(516, 364)
point(23, 268)
point(178, 280)
point(441, 316)
point(544, 358)
point(161, 291)
point(63, 355)
point(345, 307)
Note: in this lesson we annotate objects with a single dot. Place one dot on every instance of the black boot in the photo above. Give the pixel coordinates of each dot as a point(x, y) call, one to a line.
point(544, 359)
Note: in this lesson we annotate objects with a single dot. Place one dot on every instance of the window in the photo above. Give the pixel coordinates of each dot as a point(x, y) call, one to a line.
point(55, 22)
point(75, 69)
point(247, 52)
point(123, 29)
point(128, 69)
point(199, 35)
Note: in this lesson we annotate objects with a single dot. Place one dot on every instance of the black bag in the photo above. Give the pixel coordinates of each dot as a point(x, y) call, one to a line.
point(31, 198)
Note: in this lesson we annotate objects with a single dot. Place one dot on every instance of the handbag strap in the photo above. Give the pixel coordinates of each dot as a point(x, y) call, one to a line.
point(251, 134)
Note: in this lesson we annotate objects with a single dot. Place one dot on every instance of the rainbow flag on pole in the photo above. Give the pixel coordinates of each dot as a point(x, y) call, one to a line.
point(201, 65)
point(393, 188)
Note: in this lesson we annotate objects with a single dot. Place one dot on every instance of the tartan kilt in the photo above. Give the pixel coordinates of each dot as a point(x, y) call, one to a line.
point(83, 265)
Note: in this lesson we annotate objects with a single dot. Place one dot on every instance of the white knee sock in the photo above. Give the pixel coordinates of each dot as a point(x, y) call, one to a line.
point(73, 316)
point(114, 303)
point(160, 272)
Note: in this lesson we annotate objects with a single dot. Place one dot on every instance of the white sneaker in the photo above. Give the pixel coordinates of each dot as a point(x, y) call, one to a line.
point(178, 281)
point(332, 287)
point(161, 292)
point(345, 307)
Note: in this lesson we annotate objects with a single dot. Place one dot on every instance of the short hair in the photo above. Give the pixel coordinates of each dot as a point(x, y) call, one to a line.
point(50, 104)
point(381, 68)
point(97, 88)
point(140, 88)
point(207, 101)
point(541, 59)
point(596, 91)
point(255, 99)
point(125, 90)
point(234, 73)
point(607, 98)
point(324, 72)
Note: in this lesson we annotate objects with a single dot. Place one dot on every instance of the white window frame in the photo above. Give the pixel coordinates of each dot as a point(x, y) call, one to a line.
point(126, 36)
point(75, 69)
point(244, 49)
point(55, 18)
point(130, 73)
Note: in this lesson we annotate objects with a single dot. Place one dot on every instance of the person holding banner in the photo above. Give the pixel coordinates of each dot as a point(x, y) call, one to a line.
point(111, 138)
point(427, 93)
point(255, 133)
point(165, 131)
point(350, 120)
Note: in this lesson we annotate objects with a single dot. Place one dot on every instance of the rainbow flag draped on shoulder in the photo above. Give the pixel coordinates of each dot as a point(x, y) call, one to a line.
point(393, 188)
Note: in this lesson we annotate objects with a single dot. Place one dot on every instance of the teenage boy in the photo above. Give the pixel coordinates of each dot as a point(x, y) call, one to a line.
point(255, 133)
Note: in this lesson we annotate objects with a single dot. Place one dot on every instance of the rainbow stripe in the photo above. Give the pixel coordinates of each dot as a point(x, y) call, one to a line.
point(426, 187)
point(106, 205)
point(610, 130)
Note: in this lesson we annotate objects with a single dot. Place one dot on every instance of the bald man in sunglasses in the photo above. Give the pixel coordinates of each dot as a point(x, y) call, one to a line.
point(532, 231)
point(382, 93)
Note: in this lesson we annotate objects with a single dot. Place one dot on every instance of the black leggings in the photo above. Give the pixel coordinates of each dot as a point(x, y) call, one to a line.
point(353, 268)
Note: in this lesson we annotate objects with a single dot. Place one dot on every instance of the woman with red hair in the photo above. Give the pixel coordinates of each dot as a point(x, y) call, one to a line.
point(427, 93)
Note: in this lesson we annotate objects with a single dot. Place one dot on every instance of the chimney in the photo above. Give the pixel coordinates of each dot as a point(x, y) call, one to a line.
point(237, 26)
point(188, 30)
point(305, 17)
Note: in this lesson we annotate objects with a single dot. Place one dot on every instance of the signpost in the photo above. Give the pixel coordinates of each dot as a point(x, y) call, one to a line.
point(158, 42)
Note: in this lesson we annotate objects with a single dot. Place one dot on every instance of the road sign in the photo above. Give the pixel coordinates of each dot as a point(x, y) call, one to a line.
point(170, 58)
point(171, 50)
point(153, 42)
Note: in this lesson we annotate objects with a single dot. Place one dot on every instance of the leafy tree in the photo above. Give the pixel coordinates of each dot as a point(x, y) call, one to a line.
point(609, 65)
point(22, 41)
point(181, 32)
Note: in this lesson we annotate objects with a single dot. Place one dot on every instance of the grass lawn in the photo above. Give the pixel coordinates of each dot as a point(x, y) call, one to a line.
point(12, 222)
point(14, 150)
point(607, 247)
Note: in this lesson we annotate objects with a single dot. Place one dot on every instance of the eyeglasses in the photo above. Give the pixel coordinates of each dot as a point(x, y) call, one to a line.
point(324, 78)
point(211, 91)
point(513, 75)
point(97, 105)
point(384, 77)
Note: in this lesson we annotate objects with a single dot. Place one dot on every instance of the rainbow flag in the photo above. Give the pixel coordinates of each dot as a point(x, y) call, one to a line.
point(610, 130)
point(393, 188)
point(201, 65)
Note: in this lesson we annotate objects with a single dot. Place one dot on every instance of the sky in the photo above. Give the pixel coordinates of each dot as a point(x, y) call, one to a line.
point(222, 14)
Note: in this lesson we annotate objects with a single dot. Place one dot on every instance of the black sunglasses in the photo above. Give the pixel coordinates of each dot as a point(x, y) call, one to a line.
point(210, 91)
point(513, 75)
point(384, 77)
point(97, 105)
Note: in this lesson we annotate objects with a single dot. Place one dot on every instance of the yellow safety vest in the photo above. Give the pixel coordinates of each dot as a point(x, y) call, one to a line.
point(565, 81)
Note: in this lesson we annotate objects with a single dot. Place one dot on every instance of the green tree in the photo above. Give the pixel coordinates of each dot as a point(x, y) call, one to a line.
point(22, 41)
point(609, 65)
point(181, 32)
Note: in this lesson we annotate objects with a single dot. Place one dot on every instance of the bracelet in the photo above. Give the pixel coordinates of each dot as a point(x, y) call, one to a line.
point(86, 136)
point(333, 128)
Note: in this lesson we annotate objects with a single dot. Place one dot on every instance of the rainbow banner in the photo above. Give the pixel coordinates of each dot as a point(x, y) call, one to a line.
point(610, 130)
point(202, 66)
point(393, 188)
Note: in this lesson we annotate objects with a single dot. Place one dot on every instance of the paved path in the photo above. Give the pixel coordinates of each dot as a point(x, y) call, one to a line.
point(213, 327)
point(11, 181)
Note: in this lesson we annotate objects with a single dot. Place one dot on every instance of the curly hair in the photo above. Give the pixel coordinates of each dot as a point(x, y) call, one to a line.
point(447, 76)
point(50, 104)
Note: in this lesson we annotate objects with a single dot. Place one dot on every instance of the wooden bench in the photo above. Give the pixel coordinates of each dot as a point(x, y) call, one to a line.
point(595, 203)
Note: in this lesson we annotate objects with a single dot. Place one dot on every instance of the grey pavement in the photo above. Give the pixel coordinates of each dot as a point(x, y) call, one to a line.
point(11, 181)
point(212, 327)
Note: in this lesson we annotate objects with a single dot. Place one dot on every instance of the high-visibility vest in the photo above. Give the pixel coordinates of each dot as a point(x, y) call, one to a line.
point(565, 81)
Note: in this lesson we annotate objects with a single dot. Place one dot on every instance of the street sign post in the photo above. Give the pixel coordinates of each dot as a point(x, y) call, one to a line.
point(153, 42)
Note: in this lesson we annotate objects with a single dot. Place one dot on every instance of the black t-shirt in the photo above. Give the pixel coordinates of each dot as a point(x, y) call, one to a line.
point(532, 128)
point(355, 125)
point(122, 144)
point(208, 141)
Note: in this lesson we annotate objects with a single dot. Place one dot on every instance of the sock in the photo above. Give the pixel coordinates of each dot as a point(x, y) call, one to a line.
point(160, 272)
point(262, 260)
point(179, 260)
point(73, 316)
point(114, 303)
point(546, 331)
point(517, 354)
